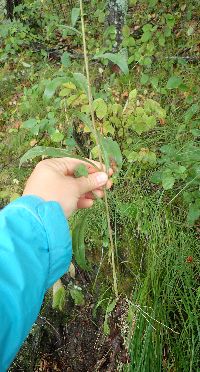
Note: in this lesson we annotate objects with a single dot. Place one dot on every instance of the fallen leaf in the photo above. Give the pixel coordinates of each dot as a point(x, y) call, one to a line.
point(189, 259)
point(162, 121)
point(72, 271)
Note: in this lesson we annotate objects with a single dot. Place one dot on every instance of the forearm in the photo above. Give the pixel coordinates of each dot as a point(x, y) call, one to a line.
point(35, 250)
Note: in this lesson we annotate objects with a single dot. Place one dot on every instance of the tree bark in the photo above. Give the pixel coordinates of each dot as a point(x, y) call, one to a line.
point(117, 10)
point(10, 4)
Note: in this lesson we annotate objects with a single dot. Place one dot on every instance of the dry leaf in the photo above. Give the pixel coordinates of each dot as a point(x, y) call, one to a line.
point(72, 270)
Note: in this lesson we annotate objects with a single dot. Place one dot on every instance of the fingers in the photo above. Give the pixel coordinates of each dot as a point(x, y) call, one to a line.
point(92, 182)
point(85, 203)
point(94, 194)
point(67, 166)
point(103, 168)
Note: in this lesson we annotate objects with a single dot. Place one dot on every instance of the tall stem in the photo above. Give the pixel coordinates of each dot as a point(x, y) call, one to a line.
point(90, 99)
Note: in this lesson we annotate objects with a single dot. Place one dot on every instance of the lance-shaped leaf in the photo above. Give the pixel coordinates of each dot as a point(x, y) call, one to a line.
point(74, 16)
point(111, 153)
point(118, 59)
point(51, 152)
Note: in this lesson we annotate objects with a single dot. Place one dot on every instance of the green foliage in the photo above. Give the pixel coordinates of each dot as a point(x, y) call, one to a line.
point(110, 307)
point(174, 82)
point(51, 152)
point(74, 16)
point(118, 59)
point(81, 171)
point(78, 244)
point(183, 166)
point(77, 295)
point(112, 153)
point(59, 298)
point(100, 108)
point(65, 59)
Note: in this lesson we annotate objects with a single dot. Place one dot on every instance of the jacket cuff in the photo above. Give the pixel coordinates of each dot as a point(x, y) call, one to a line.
point(52, 218)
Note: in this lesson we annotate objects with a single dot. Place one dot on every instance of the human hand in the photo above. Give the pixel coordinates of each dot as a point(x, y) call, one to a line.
point(53, 180)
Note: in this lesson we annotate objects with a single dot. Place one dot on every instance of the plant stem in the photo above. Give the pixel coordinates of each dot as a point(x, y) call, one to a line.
point(90, 99)
point(112, 249)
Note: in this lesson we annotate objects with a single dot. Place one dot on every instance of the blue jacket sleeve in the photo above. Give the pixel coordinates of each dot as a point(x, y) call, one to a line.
point(35, 250)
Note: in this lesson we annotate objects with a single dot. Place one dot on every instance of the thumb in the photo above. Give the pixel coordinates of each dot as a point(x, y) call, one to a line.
point(92, 182)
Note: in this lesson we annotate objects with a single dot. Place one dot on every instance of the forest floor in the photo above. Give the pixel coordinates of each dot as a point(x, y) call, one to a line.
point(155, 200)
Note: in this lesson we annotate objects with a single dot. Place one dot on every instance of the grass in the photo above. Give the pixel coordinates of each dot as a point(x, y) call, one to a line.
point(165, 299)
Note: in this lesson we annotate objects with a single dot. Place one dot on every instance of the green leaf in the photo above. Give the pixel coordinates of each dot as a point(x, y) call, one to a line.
point(74, 16)
point(156, 177)
point(64, 92)
point(153, 107)
point(191, 111)
point(144, 79)
point(161, 40)
point(131, 103)
point(118, 59)
point(168, 180)
point(85, 119)
point(77, 295)
point(126, 31)
point(51, 152)
point(112, 153)
point(133, 156)
point(59, 295)
point(100, 108)
point(146, 36)
point(110, 308)
point(65, 59)
point(147, 61)
point(30, 123)
point(174, 82)
point(142, 123)
point(193, 214)
point(78, 244)
point(170, 20)
point(57, 136)
point(81, 171)
point(68, 30)
point(52, 86)
point(81, 81)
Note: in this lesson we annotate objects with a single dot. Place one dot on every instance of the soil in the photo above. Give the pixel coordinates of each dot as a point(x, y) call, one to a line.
point(73, 340)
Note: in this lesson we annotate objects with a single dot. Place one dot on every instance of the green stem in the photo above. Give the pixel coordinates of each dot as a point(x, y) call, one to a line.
point(90, 99)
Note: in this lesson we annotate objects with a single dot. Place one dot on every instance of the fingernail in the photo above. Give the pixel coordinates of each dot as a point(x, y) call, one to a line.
point(101, 178)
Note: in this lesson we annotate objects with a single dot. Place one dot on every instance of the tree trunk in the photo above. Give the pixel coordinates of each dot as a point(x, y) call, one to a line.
point(10, 4)
point(9, 9)
point(117, 10)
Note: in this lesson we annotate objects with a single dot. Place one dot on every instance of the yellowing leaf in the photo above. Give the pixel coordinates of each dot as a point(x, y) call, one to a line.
point(72, 270)
point(58, 295)
point(64, 92)
point(70, 85)
point(100, 107)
